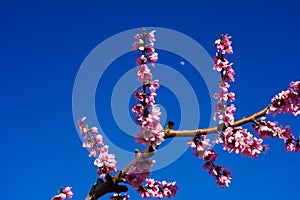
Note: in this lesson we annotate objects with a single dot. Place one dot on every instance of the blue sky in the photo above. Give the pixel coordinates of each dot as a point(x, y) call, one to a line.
point(43, 45)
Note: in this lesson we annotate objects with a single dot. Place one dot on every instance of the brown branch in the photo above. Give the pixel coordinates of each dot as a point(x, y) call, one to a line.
point(204, 131)
point(100, 188)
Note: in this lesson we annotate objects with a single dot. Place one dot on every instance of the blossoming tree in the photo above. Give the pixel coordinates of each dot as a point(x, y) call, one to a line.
point(230, 132)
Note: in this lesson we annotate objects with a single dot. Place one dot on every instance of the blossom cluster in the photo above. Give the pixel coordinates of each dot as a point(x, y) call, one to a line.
point(239, 140)
point(147, 113)
point(105, 162)
point(203, 150)
point(139, 171)
point(63, 194)
point(287, 101)
point(271, 129)
point(156, 189)
point(224, 44)
point(222, 65)
point(149, 54)
point(119, 197)
point(222, 175)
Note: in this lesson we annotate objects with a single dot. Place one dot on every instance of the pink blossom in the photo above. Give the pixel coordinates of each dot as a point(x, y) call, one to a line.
point(153, 85)
point(93, 153)
point(82, 129)
point(150, 136)
point(271, 129)
point(286, 101)
point(297, 147)
point(149, 48)
point(141, 60)
point(80, 122)
point(137, 36)
point(155, 114)
point(87, 144)
point(153, 58)
point(147, 114)
point(94, 130)
point(239, 140)
point(139, 95)
point(98, 139)
point(158, 189)
point(290, 146)
point(229, 73)
point(138, 109)
point(60, 196)
point(139, 171)
point(106, 163)
point(150, 99)
point(231, 96)
point(139, 44)
point(151, 36)
point(145, 121)
point(228, 117)
point(68, 192)
point(224, 44)
point(200, 144)
point(63, 193)
point(143, 73)
point(223, 180)
point(295, 85)
point(221, 63)
point(119, 197)
point(222, 175)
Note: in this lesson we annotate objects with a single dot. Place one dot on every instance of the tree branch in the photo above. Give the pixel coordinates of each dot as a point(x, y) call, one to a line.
point(204, 131)
point(100, 188)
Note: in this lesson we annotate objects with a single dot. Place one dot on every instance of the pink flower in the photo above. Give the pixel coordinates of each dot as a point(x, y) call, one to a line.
point(229, 74)
point(286, 101)
point(271, 129)
point(64, 193)
point(119, 197)
point(138, 45)
point(223, 181)
point(138, 109)
point(295, 85)
point(68, 192)
point(139, 171)
point(149, 48)
point(82, 129)
point(151, 36)
point(143, 73)
point(150, 136)
point(158, 189)
point(228, 118)
point(80, 122)
point(290, 146)
point(139, 95)
point(137, 36)
point(155, 113)
point(231, 96)
point(221, 63)
point(201, 146)
point(60, 196)
point(150, 99)
point(141, 60)
point(239, 140)
point(153, 58)
point(153, 85)
point(87, 144)
point(224, 44)
point(93, 153)
point(98, 139)
point(94, 130)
